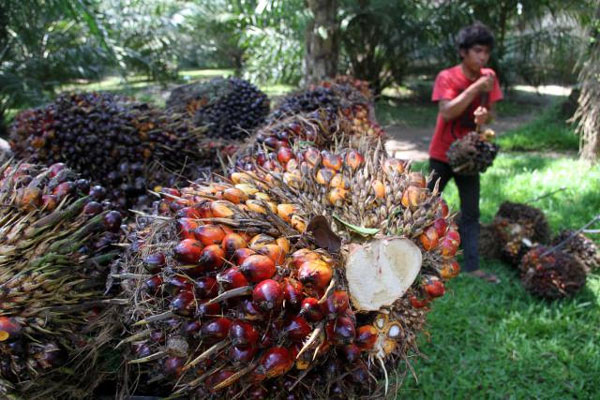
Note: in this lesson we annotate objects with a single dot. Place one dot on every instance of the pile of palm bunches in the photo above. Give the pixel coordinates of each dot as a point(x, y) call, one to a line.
point(242, 288)
point(579, 246)
point(473, 153)
point(551, 273)
point(229, 108)
point(57, 239)
point(518, 227)
point(126, 146)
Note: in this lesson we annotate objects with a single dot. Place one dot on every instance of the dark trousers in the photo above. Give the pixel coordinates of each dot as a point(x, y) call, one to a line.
point(468, 226)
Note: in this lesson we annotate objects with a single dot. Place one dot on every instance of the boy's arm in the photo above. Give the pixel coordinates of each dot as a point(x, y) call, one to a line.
point(450, 109)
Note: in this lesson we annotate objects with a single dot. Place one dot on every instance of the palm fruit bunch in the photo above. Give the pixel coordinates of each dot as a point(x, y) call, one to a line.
point(473, 153)
point(126, 146)
point(551, 273)
point(57, 240)
point(519, 226)
point(230, 108)
point(313, 288)
point(579, 246)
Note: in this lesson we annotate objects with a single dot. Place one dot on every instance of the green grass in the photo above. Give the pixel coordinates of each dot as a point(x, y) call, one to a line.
point(549, 132)
point(406, 113)
point(498, 342)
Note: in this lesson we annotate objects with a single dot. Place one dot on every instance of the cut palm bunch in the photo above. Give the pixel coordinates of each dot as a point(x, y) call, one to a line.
point(473, 153)
point(124, 145)
point(57, 238)
point(229, 108)
point(579, 246)
point(519, 226)
point(260, 287)
point(551, 273)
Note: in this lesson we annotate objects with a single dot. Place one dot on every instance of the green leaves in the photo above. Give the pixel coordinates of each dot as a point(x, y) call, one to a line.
point(358, 229)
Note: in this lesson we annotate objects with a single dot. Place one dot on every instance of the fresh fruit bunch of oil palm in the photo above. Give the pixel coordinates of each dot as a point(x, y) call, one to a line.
point(229, 108)
point(124, 145)
point(551, 273)
point(260, 287)
point(57, 239)
point(518, 227)
point(473, 153)
point(579, 246)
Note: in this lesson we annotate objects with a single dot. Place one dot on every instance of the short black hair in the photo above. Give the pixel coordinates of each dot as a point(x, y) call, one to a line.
point(476, 34)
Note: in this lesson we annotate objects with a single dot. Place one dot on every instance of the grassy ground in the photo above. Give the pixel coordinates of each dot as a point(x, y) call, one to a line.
point(497, 341)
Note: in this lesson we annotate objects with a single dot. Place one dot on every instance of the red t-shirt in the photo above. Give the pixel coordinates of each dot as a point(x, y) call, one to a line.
point(449, 84)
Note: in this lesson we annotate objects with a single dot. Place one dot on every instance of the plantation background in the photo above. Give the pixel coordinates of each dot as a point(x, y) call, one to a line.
point(482, 341)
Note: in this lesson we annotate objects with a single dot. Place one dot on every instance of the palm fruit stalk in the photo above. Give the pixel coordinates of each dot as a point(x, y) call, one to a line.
point(258, 287)
point(579, 246)
point(56, 243)
point(472, 154)
point(229, 108)
point(126, 146)
point(550, 273)
point(519, 226)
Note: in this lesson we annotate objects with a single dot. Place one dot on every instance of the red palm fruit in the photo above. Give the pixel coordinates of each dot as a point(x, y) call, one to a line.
point(378, 189)
point(354, 159)
point(297, 329)
point(339, 181)
point(268, 295)
point(433, 287)
point(260, 240)
point(429, 238)
point(205, 307)
point(273, 166)
point(418, 303)
point(9, 328)
point(311, 309)
point(284, 154)
point(284, 243)
point(153, 284)
point(366, 336)
point(271, 142)
point(63, 189)
point(112, 221)
point(324, 176)
point(453, 235)
point(242, 354)
point(235, 195)
point(91, 208)
point(256, 206)
point(276, 361)
point(243, 334)
point(216, 329)
point(337, 196)
point(316, 273)
point(207, 287)
point(292, 293)
point(50, 201)
point(257, 268)
point(331, 160)
point(186, 228)
point(251, 312)
point(212, 257)
point(274, 252)
point(448, 247)
point(240, 255)
point(155, 262)
point(53, 170)
point(301, 256)
point(189, 212)
point(222, 209)
point(285, 211)
point(231, 242)
point(261, 157)
point(412, 197)
point(417, 179)
point(393, 166)
point(204, 208)
point(336, 304)
point(440, 225)
point(450, 269)
point(158, 336)
point(292, 165)
point(443, 210)
point(184, 303)
point(351, 353)
point(341, 331)
point(216, 378)
point(312, 156)
point(173, 366)
point(232, 278)
point(210, 234)
point(177, 283)
point(192, 327)
point(170, 193)
point(141, 350)
point(188, 251)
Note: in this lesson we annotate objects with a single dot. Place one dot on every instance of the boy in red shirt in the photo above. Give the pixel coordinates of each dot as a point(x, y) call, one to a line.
point(466, 94)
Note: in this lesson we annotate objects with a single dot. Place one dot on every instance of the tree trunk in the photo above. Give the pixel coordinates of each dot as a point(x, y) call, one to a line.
point(322, 41)
point(588, 110)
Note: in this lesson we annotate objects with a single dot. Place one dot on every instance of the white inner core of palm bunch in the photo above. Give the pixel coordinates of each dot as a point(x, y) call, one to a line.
point(380, 272)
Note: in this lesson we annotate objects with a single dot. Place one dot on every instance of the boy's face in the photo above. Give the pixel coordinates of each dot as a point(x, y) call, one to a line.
point(476, 57)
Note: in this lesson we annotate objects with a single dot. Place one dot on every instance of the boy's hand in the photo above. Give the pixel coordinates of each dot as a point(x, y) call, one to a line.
point(481, 115)
point(485, 83)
